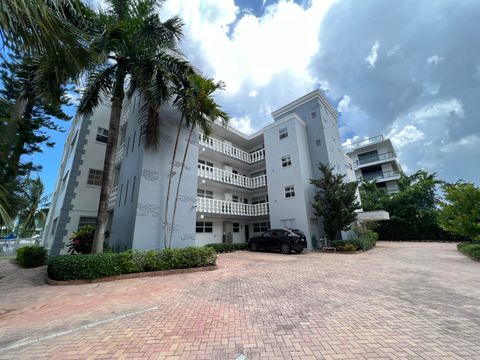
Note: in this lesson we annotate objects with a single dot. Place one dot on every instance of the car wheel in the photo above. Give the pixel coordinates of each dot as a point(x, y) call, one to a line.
point(285, 248)
point(253, 246)
point(298, 251)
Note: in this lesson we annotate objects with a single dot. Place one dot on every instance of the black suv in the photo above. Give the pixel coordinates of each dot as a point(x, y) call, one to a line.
point(279, 239)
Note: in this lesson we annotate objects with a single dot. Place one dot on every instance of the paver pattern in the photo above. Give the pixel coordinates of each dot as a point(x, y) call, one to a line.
point(397, 301)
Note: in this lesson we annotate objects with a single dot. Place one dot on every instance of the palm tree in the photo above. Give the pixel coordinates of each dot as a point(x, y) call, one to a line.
point(138, 49)
point(4, 216)
point(32, 214)
point(198, 107)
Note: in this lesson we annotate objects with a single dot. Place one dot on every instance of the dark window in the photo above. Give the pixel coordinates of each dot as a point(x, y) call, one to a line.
point(368, 157)
point(54, 226)
point(133, 142)
point(318, 142)
point(236, 227)
point(283, 133)
point(204, 227)
point(94, 177)
point(289, 191)
point(314, 114)
point(87, 220)
point(102, 135)
point(205, 194)
point(126, 193)
point(286, 161)
point(133, 188)
point(235, 198)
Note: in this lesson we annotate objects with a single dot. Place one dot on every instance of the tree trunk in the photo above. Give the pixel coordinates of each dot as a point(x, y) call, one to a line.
point(170, 176)
point(178, 185)
point(107, 174)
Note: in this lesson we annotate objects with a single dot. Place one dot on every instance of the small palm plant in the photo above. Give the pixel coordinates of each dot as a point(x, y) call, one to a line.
point(32, 214)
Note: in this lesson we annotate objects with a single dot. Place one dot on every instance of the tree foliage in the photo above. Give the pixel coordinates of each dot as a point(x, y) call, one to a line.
point(335, 201)
point(460, 210)
point(373, 198)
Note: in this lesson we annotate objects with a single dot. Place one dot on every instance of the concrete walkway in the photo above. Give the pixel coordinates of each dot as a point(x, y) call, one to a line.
point(397, 301)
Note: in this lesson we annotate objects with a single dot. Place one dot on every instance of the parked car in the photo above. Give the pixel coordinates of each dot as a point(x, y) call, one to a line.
point(279, 239)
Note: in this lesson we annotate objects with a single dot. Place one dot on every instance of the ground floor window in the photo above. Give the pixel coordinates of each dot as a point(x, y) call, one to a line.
point(236, 227)
point(204, 227)
point(87, 220)
point(261, 227)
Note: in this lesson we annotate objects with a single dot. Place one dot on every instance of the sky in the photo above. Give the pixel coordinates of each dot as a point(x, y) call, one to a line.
point(409, 70)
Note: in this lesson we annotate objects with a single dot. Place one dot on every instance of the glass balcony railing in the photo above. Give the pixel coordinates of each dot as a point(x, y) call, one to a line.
point(378, 175)
point(357, 144)
point(373, 158)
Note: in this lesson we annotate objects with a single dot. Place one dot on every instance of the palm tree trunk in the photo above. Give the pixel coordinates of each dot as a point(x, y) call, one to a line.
point(170, 176)
point(178, 185)
point(107, 174)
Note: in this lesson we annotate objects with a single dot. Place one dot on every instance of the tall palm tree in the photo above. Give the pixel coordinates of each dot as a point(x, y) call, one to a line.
point(4, 216)
point(137, 48)
point(199, 109)
point(32, 214)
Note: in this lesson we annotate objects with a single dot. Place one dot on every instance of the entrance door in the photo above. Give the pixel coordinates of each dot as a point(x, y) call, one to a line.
point(227, 232)
point(247, 235)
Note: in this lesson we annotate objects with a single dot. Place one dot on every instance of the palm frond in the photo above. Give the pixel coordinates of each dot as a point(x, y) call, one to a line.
point(100, 83)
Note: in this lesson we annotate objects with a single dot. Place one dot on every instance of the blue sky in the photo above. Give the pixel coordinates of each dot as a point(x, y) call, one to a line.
point(406, 69)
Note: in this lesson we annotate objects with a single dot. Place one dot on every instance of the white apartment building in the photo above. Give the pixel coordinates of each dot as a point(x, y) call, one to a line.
point(375, 159)
point(234, 185)
point(77, 191)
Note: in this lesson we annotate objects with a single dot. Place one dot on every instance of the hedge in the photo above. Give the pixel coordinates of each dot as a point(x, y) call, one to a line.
point(224, 247)
point(95, 266)
point(472, 250)
point(31, 256)
point(364, 242)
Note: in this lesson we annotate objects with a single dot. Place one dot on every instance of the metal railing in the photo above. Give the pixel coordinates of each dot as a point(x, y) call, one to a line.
point(361, 143)
point(230, 150)
point(379, 176)
point(9, 247)
point(113, 197)
point(216, 174)
point(119, 154)
point(373, 158)
point(224, 207)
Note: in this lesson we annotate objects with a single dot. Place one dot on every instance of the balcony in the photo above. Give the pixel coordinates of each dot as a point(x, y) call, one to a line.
point(230, 150)
point(379, 176)
point(358, 144)
point(226, 177)
point(119, 155)
point(374, 158)
point(224, 207)
point(113, 197)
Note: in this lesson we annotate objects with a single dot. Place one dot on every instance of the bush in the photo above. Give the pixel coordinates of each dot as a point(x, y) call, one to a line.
point(82, 240)
point(31, 256)
point(346, 247)
point(95, 266)
point(224, 247)
point(472, 250)
point(365, 242)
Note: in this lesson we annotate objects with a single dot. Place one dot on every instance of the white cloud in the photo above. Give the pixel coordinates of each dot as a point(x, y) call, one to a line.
point(371, 59)
point(434, 60)
point(439, 109)
point(393, 50)
point(283, 40)
point(406, 135)
point(343, 104)
point(253, 93)
point(243, 124)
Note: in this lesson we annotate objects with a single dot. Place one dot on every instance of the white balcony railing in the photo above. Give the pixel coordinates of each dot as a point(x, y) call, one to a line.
point(119, 154)
point(216, 174)
point(231, 150)
point(124, 118)
point(357, 144)
point(224, 207)
point(113, 197)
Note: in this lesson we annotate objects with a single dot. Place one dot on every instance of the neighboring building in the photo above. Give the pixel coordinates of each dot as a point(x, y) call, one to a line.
point(234, 185)
point(77, 190)
point(375, 159)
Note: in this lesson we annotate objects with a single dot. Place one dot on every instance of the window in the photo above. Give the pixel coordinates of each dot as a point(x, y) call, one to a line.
point(283, 133)
point(204, 227)
point(261, 227)
point(258, 173)
point(289, 191)
point(64, 180)
point(94, 177)
point(87, 220)
point(102, 135)
point(259, 199)
point(286, 161)
point(235, 198)
point(72, 143)
point(288, 223)
point(54, 226)
point(314, 114)
point(318, 142)
point(205, 194)
point(236, 227)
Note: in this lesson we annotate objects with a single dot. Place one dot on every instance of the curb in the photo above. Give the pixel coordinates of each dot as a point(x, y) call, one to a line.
point(129, 276)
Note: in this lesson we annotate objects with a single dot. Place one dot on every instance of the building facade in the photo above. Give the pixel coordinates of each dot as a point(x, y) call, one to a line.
point(375, 159)
point(233, 186)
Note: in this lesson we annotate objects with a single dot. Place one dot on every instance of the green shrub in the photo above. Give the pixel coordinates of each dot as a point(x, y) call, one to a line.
point(95, 266)
point(82, 240)
point(364, 242)
point(346, 247)
point(31, 256)
point(472, 250)
point(224, 247)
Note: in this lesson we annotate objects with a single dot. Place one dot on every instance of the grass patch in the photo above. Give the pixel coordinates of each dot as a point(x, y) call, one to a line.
point(472, 250)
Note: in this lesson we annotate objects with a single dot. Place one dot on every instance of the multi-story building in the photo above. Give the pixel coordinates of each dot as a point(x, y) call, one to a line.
point(77, 190)
point(375, 159)
point(233, 186)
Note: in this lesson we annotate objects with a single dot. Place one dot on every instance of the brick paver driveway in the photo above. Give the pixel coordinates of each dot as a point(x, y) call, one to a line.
point(398, 301)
